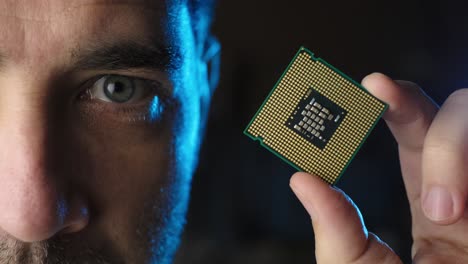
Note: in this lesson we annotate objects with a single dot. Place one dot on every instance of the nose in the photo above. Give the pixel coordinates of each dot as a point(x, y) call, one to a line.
point(35, 202)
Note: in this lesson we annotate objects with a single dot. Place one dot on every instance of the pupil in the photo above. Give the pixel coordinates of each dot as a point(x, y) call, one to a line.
point(118, 87)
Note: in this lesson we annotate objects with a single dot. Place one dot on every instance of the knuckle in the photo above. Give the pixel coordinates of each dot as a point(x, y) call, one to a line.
point(441, 145)
point(443, 157)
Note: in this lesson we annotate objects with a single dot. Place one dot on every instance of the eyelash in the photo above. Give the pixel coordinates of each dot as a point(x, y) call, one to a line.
point(129, 112)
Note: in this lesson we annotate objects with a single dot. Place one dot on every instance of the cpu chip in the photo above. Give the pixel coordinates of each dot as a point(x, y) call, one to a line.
point(316, 118)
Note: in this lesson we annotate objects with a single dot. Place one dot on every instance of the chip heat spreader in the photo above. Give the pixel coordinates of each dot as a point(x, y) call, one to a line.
point(316, 118)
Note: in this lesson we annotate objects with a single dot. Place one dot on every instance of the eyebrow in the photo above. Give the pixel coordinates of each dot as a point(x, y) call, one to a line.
point(124, 55)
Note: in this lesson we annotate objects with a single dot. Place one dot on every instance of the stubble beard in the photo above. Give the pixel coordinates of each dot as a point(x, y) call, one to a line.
point(157, 238)
point(48, 252)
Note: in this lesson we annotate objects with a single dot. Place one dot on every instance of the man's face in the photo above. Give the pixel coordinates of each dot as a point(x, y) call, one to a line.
point(100, 109)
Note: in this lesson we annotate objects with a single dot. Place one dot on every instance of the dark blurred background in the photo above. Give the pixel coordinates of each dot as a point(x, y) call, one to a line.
point(242, 209)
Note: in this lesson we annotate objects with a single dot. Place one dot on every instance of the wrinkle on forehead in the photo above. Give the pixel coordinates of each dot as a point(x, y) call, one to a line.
point(47, 10)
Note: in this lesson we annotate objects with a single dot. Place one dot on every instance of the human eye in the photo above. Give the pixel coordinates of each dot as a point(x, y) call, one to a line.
point(123, 97)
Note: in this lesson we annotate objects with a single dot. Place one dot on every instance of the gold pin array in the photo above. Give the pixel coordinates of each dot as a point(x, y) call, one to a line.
point(363, 111)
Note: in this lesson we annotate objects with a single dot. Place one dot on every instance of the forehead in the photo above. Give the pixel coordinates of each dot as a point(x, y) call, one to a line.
point(42, 9)
point(34, 30)
point(49, 10)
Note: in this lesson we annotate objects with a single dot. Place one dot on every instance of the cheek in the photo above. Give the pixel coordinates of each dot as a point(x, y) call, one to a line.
point(122, 168)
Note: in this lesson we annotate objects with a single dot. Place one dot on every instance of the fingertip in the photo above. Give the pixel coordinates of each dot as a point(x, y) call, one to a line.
point(376, 79)
point(382, 87)
point(407, 102)
point(388, 91)
point(375, 76)
point(311, 191)
point(300, 178)
point(308, 185)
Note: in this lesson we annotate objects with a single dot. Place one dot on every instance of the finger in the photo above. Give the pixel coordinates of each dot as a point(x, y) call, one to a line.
point(340, 234)
point(409, 117)
point(445, 162)
point(410, 113)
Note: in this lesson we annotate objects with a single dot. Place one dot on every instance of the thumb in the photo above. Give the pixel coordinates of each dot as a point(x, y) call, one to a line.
point(340, 234)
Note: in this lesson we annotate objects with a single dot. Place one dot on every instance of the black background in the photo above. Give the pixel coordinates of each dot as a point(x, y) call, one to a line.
point(242, 209)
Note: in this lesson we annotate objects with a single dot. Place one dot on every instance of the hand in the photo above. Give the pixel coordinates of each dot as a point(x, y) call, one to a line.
point(433, 149)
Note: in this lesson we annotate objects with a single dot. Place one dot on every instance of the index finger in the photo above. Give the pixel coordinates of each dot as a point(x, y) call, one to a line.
point(410, 113)
point(409, 117)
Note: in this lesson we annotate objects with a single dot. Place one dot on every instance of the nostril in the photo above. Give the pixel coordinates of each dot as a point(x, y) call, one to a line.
point(73, 227)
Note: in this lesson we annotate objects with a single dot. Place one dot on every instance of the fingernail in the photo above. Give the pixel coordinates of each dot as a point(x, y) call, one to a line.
point(438, 204)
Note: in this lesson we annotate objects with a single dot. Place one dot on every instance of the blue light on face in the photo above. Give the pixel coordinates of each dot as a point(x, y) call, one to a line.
point(191, 89)
point(156, 109)
point(62, 210)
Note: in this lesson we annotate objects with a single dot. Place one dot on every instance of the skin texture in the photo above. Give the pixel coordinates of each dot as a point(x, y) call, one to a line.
point(433, 155)
point(84, 179)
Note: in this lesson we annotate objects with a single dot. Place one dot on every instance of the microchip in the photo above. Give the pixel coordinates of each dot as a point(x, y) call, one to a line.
point(316, 118)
